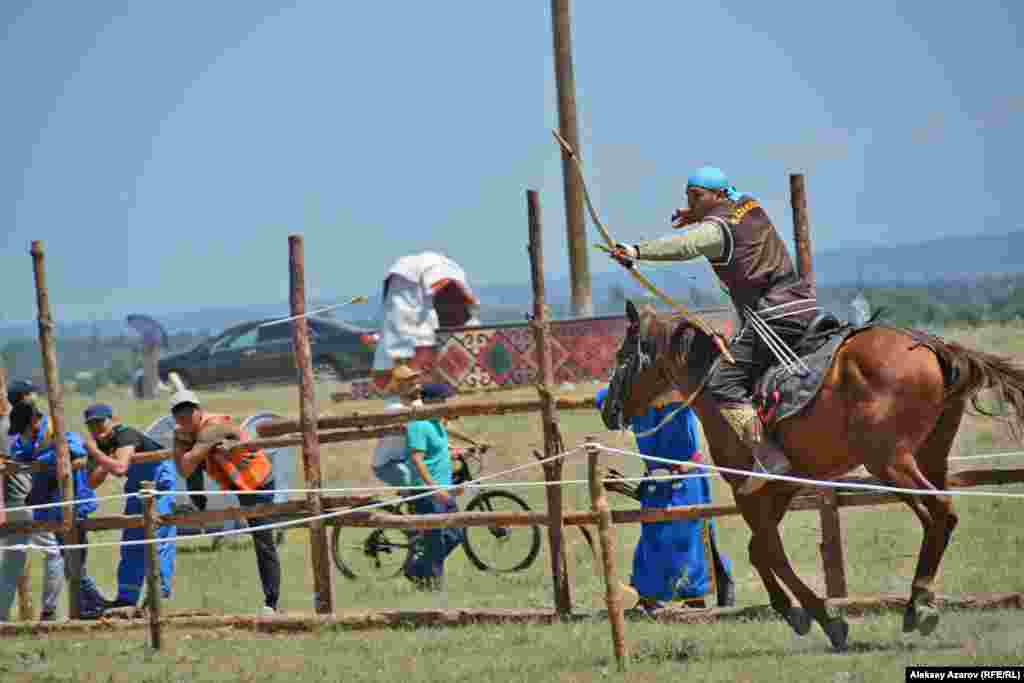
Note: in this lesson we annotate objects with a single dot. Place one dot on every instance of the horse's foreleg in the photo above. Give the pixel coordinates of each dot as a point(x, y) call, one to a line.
point(780, 601)
point(835, 627)
point(763, 513)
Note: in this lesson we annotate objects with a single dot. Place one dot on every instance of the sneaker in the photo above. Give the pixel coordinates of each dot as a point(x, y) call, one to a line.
point(267, 611)
point(47, 615)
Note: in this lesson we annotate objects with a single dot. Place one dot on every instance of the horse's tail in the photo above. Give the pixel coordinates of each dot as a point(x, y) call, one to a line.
point(967, 372)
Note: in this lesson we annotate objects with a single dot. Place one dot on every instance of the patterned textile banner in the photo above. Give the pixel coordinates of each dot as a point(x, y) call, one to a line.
point(504, 356)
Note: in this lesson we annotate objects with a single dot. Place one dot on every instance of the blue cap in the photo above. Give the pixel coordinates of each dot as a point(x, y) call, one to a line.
point(98, 411)
point(19, 388)
point(436, 392)
point(712, 178)
point(601, 395)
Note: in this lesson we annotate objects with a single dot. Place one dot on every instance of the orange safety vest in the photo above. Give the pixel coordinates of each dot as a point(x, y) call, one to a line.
point(237, 471)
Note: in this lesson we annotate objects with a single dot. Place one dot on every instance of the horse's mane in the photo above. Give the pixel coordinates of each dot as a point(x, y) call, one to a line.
point(672, 336)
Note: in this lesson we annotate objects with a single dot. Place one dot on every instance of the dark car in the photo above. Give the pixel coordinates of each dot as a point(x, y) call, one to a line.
point(256, 352)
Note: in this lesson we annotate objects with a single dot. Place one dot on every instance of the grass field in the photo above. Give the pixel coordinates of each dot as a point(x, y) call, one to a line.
point(880, 544)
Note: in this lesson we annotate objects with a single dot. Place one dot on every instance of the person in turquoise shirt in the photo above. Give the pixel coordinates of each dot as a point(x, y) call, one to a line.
point(431, 461)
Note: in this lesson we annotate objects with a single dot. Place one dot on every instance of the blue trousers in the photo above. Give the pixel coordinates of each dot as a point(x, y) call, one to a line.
point(426, 568)
point(131, 570)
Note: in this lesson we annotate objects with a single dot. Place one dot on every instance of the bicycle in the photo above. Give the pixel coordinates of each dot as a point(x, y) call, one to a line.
point(384, 552)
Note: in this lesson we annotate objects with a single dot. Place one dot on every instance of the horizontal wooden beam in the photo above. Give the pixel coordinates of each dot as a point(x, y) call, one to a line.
point(362, 620)
point(449, 409)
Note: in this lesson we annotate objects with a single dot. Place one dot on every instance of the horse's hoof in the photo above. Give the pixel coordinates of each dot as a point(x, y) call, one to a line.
point(798, 619)
point(927, 619)
point(837, 631)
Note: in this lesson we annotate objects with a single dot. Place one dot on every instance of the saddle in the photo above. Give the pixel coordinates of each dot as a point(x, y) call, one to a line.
point(783, 392)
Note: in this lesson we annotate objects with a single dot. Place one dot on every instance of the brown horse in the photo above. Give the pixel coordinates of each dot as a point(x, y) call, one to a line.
point(892, 401)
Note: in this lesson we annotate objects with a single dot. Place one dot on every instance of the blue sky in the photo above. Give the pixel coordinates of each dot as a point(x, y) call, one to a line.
point(164, 151)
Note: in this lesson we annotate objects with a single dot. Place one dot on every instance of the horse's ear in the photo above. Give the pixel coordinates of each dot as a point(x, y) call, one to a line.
point(631, 312)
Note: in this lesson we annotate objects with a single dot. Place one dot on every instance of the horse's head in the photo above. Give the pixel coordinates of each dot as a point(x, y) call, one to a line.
point(657, 352)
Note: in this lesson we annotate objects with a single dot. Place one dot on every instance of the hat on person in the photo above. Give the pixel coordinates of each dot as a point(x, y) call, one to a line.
point(713, 178)
point(98, 411)
point(19, 388)
point(184, 397)
point(436, 393)
point(401, 375)
point(21, 417)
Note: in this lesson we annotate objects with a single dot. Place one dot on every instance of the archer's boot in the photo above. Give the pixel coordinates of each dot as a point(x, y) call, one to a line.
point(767, 457)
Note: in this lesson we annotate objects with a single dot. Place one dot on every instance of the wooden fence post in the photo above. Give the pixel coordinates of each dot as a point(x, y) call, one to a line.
point(831, 532)
point(324, 598)
point(150, 524)
point(552, 438)
point(55, 392)
point(612, 589)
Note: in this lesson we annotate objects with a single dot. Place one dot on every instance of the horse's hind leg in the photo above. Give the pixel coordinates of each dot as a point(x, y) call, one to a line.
point(932, 465)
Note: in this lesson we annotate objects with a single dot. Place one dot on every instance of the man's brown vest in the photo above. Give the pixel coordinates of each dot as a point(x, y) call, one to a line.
point(755, 266)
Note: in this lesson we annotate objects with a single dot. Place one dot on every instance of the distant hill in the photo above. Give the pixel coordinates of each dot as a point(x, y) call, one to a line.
point(951, 258)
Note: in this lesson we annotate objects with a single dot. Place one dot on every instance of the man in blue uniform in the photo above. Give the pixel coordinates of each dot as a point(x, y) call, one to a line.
point(110, 453)
point(675, 561)
point(34, 442)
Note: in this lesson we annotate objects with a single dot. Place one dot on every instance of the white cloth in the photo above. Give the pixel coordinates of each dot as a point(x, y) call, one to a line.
point(391, 448)
point(407, 317)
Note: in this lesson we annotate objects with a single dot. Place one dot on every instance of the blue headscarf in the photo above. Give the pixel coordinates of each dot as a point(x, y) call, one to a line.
point(712, 178)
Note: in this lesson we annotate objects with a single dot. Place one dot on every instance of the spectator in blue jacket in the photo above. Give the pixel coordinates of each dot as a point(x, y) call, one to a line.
point(34, 442)
point(677, 561)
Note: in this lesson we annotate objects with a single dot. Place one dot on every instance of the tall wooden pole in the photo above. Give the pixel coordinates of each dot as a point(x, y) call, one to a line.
point(150, 524)
point(831, 531)
point(55, 392)
point(612, 594)
point(552, 438)
point(324, 598)
point(801, 227)
point(576, 227)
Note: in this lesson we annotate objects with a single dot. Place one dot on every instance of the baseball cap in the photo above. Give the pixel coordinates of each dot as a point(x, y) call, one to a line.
point(98, 411)
point(19, 388)
point(436, 392)
point(183, 397)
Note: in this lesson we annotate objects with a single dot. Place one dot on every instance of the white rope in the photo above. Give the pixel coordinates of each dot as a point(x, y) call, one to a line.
point(471, 484)
point(284, 524)
point(354, 300)
point(988, 456)
point(815, 482)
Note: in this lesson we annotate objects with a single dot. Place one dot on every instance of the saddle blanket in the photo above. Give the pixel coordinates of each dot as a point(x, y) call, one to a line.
point(782, 393)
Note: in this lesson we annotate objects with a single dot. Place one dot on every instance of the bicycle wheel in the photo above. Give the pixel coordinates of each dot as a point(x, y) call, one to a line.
point(370, 553)
point(501, 549)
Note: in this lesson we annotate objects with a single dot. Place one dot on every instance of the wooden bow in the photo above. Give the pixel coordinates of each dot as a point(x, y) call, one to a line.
point(687, 315)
